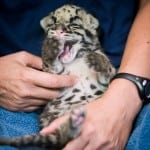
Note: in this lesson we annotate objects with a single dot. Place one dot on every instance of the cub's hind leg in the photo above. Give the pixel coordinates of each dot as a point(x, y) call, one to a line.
point(47, 116)
point(71, 128)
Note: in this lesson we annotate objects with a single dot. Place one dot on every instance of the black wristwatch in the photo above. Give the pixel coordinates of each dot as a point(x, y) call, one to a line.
point(142, 84)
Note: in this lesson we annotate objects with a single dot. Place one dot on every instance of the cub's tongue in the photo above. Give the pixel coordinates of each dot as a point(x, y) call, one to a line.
point(66, 55)
point(66, 51)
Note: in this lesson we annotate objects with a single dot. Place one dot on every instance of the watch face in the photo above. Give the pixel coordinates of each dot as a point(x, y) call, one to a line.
point(147, 90)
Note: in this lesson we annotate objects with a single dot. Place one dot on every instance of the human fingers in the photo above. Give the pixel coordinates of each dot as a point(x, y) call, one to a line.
point(26, 109)
point(41, 78)
point(35, 92)
point(54, 125)
point(77, 144)
point(33, 105)
point(30, 109)
point(44, 93)
point(47, 80)
point(81, 142)
point(95, 144)
point(22, 104)
point(38, 77)
point(29, 60)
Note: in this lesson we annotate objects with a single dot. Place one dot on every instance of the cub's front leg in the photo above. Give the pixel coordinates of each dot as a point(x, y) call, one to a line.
point(50, 52)
point(100, 63)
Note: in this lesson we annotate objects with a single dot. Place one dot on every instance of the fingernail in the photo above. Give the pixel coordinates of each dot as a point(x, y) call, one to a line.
point(42, 131)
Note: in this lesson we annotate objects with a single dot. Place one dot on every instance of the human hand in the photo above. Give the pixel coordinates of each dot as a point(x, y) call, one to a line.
point(23, 86)
point(109, 120)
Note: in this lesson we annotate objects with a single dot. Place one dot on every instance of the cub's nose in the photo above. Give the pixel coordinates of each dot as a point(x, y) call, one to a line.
point(59, 32)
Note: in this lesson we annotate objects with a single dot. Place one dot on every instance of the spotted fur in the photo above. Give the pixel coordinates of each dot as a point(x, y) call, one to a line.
point(71, 46)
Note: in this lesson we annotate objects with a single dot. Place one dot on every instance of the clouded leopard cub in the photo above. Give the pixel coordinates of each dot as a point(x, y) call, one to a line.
point(71, 46)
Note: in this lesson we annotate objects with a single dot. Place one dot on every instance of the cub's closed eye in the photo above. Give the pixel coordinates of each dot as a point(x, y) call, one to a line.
point(75, 25)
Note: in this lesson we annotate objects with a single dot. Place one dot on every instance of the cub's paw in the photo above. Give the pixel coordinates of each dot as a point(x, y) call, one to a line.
point(77, 118)
point(100, 63)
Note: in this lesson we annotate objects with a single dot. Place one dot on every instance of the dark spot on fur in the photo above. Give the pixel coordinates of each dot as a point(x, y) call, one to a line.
point(88, 33)
point(77, 10)
point(69, 98)
point(55, 113)
point(83, 98)
point(103, 84)
point(87, 78)
point(98, 92)
point(92, 86)
point(74, 18)
point(54, 19)
point(76, 91)
point(110, 69)
point(60, 97)
point(89, 96)
point(56, 102)
point(76, 102)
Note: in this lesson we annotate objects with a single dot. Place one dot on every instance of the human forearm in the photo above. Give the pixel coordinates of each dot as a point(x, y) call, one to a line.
point(135, 61)
point(137, 51)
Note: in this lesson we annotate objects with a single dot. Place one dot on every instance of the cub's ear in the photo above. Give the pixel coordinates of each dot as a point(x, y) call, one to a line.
point(92, 21)
point(46, 22)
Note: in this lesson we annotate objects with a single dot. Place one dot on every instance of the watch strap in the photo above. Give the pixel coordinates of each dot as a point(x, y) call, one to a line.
point(140, 83)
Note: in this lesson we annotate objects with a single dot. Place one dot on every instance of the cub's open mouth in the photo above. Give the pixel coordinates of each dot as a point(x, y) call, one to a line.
point(68, 53)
